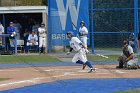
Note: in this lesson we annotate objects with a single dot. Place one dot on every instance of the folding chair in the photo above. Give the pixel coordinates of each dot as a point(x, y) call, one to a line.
point(20, 45)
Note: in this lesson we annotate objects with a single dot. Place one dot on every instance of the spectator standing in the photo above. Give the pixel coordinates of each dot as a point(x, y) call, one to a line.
point(42, 38)
point(11, 30)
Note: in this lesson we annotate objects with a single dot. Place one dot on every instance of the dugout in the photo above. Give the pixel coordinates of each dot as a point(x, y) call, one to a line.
point(24, 15)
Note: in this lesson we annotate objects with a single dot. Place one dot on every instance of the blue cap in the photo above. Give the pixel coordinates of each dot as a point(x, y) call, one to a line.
point(11, 22)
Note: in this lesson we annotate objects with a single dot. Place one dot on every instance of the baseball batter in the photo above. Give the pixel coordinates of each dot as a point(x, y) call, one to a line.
point(42, 37)
point(83, 32)
point(79, 47)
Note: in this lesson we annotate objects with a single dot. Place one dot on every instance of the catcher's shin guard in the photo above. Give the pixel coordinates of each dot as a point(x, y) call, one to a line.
point(121, 64)
point(121, 61)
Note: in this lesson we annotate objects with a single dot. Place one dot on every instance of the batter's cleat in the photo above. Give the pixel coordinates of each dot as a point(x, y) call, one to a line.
point(91, 70)
point(84, 65)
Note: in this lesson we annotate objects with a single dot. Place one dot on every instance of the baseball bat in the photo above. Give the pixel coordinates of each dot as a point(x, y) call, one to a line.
point(74, 25)
point(102, 55)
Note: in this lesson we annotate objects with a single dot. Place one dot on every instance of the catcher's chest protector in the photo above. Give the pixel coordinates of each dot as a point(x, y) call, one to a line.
point(126, 52)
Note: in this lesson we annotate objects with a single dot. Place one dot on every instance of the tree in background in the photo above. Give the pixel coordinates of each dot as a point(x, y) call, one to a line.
point(23, 2)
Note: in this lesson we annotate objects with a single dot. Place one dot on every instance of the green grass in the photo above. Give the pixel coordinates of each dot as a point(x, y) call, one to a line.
point(30, 59)
point(108, 48)
point(11, 59)
point(3, 79)
point(110, 58)
point(98, 58)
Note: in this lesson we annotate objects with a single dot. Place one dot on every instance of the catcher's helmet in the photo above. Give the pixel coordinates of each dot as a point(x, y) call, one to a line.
point(82, 22)
point(70, 33)
point(125, 42)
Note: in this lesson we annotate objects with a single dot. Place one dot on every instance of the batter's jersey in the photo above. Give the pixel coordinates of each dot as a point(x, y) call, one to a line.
point(75, 43)
point(42, 32)
point(83, 30)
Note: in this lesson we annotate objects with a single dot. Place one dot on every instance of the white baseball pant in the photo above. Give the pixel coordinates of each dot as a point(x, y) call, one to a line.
point(84, 41)
point(80, 56)
point(42, 41)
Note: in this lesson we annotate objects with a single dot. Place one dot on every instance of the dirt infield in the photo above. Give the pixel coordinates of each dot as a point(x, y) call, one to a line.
point(21, 77)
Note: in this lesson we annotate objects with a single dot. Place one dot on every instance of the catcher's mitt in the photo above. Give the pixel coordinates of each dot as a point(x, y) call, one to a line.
point(122, 58)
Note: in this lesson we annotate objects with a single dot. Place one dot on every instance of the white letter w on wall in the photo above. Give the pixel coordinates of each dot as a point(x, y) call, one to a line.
point(63, 12)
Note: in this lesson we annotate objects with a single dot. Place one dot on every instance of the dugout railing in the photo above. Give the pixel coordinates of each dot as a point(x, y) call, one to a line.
point(5, 45)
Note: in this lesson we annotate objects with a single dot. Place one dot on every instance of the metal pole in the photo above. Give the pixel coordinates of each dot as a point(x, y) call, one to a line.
point(4, 38)
point(92, 24)
point(136, 23)
point(15, 45)
point(49, 28)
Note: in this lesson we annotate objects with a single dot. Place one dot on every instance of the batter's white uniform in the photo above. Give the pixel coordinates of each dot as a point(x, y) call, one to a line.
point(134, 60)
point(83, 30)
point(76, 44)
point(42, 36)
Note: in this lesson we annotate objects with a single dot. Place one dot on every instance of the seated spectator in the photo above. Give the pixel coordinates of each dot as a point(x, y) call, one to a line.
point(127, 59)
point(32, 41)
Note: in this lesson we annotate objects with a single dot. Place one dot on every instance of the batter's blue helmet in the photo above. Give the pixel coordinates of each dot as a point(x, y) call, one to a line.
point(70, 33)
point(82, 22)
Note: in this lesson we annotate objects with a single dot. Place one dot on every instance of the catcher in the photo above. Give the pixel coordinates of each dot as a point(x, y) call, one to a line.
point(127, 59)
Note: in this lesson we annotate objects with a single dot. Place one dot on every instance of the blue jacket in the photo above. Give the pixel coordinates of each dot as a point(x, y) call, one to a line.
point(10, 30)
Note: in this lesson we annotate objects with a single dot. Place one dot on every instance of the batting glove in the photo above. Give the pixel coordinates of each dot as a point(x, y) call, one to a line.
point(86, 50)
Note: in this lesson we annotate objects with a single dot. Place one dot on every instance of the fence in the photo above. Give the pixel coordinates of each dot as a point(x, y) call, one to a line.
point(112, 21)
